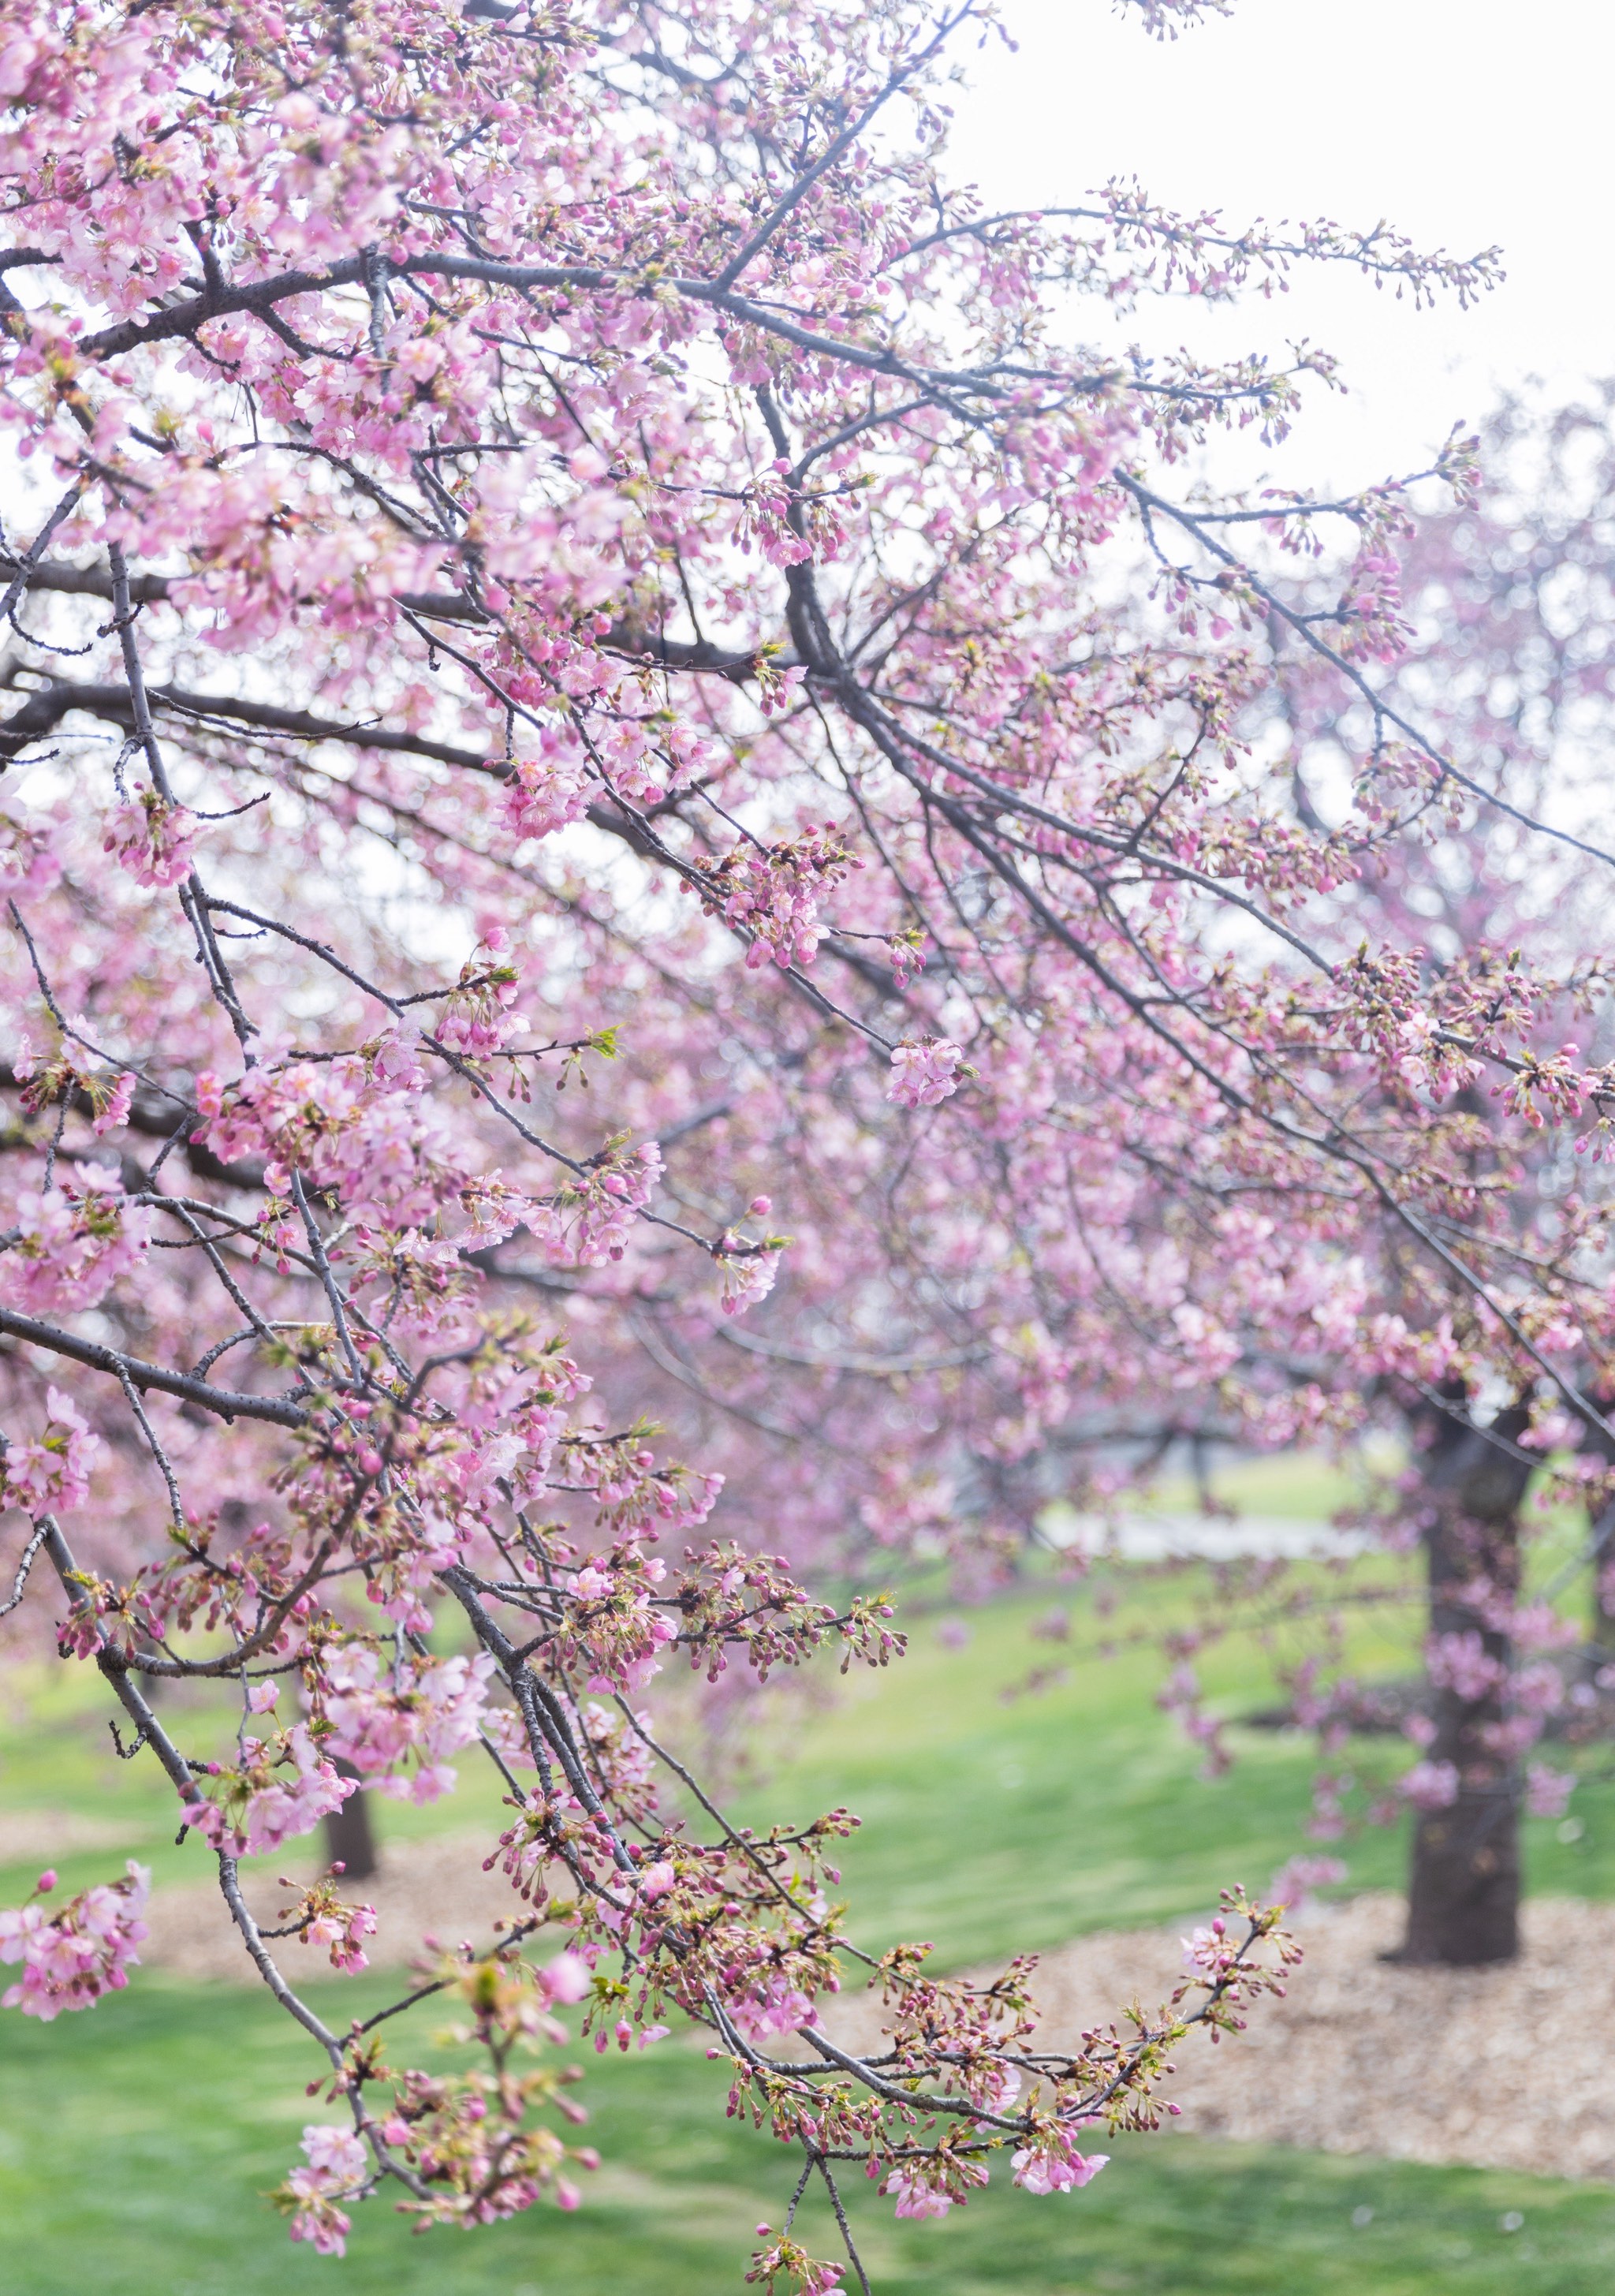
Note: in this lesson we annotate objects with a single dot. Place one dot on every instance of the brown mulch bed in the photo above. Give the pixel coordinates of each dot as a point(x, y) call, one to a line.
point(434, 1888)
point(45, 1835)
point(1509, 2067)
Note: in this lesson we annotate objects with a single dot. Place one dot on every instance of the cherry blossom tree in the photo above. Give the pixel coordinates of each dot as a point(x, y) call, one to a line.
point(1508, 649)
point(1510, 604)
point(602, 815)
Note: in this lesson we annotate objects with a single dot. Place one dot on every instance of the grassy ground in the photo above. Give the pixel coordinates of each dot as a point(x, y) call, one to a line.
point(135, 2143)
point(991, 1824)
point(138, 2144)
point(1299, 1483)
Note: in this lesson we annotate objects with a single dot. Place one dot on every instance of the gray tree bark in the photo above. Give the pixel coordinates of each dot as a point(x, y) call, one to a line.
point(1463, 1886)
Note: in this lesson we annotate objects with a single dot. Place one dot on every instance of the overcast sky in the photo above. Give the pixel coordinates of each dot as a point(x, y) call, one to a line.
point(1462, 122)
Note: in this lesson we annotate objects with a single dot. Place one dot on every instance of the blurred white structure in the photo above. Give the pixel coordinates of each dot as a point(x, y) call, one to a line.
point(1140, 1536)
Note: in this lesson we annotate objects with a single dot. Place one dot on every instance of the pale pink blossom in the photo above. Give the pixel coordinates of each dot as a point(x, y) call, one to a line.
point(1547, 1791)
point(567, 1978)
point(51, 1472)
point(153, 839)
point(113, 1112)
point(398, 1723)
point(1461, 1663)
point(915, 2197)
point(769, 2003)
point(543, 795)
point(1430, 1785)
point(71, 1243)
point(1297, 1879)
point(338, 2169)
point(1055, 2165)
point(73, 1954)
point(1209, 1949)
point(925, 1073)
point(340, 1932)
point(277, 1791)
point(748, 1277)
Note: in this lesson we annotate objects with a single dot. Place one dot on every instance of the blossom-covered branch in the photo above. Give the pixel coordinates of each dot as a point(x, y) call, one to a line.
point(577, 739)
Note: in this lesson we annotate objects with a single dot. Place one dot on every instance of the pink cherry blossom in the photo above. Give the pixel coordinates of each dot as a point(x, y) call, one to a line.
point(70, 1245)
point(77, 1952)
point(50, 1471)
point(398, 1724)
point(924, 1073)
point(915, 2197)
point(338, 2169)
point(154, 839)
point(1548, 1791)
point(1430, 1785)
point(1055, 2167)
point(278, 1789)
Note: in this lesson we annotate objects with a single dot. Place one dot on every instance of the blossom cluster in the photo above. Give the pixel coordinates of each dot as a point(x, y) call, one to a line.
point(276, 1789)
point(68, 1245)
point(73, 1954)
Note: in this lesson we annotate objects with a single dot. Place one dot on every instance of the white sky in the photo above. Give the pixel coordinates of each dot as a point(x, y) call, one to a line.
point(1462, 122)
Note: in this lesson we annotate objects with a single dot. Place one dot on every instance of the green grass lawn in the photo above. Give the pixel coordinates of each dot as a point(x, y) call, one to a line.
point(1301, 1483)
point(137, 2141)
point(137, 2145)
point(989, 1826)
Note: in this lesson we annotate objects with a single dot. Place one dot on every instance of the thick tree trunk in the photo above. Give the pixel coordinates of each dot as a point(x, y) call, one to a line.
point(1463, 1889)
point(349, 1837)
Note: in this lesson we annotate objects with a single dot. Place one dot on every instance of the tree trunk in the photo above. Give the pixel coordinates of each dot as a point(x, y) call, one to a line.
point(349, 1838)
point(1463, 1889)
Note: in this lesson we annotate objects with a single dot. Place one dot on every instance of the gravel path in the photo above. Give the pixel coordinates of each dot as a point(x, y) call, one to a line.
point(1506, 2068)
